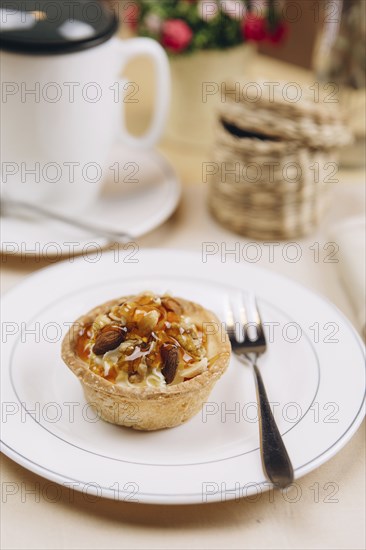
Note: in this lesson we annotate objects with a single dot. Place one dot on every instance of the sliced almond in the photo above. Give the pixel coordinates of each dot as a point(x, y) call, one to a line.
point(148, 322)
point(172, 305)
point(195, 369)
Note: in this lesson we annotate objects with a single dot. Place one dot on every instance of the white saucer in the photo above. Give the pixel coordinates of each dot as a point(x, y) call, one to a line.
point(313, 370)
point(146, 194)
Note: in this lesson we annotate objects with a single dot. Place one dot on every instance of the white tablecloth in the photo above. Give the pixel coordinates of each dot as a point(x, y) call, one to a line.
point(30, 521)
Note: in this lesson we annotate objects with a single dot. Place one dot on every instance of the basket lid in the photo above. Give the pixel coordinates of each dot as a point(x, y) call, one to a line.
point(44, 27)
point(286, 112)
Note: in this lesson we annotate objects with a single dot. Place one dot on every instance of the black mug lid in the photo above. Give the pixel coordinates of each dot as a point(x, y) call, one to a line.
point(55, 26)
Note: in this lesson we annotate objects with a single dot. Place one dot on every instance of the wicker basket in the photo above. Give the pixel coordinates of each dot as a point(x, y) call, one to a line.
point(272, 165)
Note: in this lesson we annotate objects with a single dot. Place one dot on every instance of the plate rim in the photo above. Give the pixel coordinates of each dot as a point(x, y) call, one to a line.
point(173, 198)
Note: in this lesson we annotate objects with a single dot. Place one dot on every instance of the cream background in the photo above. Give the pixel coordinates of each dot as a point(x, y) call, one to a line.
point(74, 523)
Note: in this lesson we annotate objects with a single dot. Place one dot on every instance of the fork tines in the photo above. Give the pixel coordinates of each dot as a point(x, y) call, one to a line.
point(244, 325)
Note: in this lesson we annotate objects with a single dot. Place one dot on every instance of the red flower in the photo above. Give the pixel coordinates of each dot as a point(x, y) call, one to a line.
point(254, 28)
point(177, 35)
point(131, 15)
point(278, 34)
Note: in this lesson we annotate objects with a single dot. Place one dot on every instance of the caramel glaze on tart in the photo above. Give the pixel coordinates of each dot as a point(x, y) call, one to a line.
point(144, 341)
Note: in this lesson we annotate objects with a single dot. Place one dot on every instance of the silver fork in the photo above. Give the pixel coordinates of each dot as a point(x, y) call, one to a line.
point(275, 460)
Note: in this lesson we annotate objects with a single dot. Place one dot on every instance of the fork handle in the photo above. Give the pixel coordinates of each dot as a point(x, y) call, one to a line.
point(276, 462)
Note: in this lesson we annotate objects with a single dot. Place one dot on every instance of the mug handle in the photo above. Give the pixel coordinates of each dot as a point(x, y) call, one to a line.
point(148, 47)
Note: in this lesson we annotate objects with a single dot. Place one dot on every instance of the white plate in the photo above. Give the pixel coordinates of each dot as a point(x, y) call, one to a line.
point(317, 382)
point(145, 195)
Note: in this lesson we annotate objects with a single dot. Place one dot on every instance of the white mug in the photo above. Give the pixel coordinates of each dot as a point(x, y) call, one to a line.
point(62, 113)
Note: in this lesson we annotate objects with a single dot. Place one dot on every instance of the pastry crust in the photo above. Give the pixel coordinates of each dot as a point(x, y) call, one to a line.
point(150, 408)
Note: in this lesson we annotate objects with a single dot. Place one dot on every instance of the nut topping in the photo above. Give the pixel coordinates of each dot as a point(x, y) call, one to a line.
point(172, 305)
point(109, 338)
point(170, 357)
point(144, 340)
point(148, 322)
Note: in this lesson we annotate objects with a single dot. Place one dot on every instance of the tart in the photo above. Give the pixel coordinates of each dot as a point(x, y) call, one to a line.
point(147, 361)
